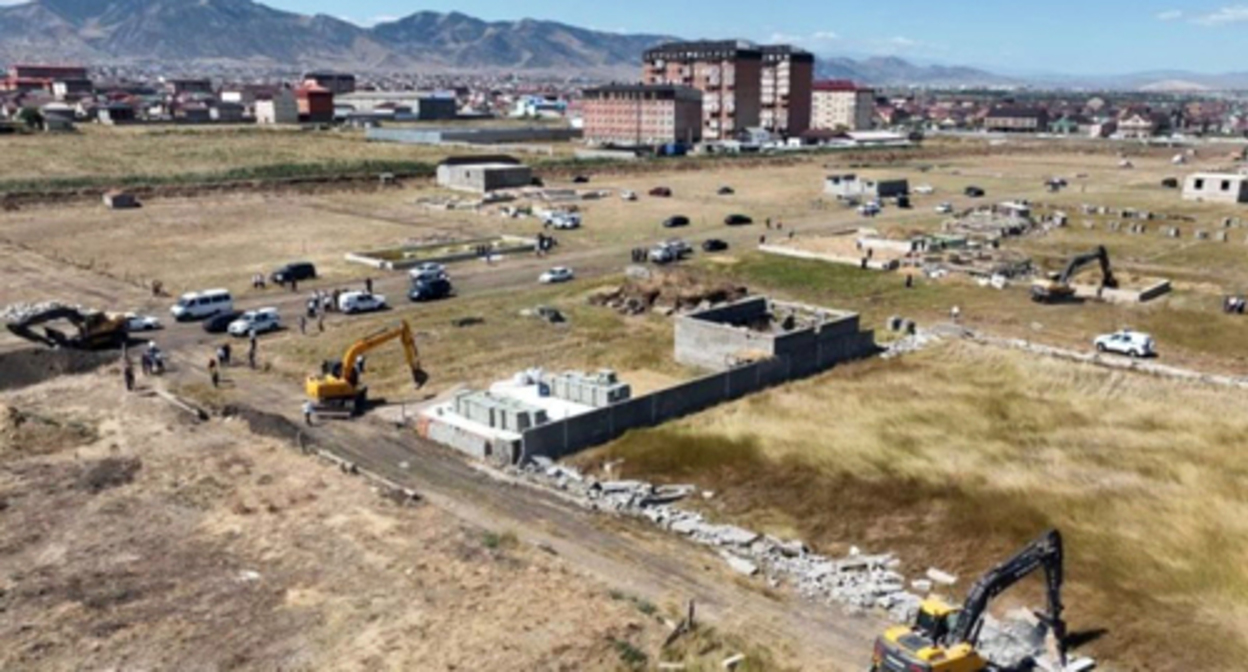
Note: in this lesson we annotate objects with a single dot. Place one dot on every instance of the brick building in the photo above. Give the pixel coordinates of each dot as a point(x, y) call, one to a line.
point(787, 78)
point(843, 104)
point(41, 77)
point(728, 73)
point(643, 114)
point(316, 103)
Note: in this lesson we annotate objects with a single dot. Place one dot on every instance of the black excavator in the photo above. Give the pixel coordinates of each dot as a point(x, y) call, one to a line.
point(944, 637)
point(1057, 286)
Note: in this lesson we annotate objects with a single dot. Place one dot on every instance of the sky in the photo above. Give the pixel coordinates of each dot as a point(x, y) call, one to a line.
point(1056, 36)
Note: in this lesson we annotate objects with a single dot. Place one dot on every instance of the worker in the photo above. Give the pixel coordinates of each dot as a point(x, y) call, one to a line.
point(294, 285)
point(368, 285)
point(955, 313)
point(221, 354)
point(762, 240)
point(909, 280)
point(127, 375)
point(228, 353)
point(359, 366)
point(308, 410)
point(303, 325)
point(320, 323)
point(251, 349)
point(213, 373)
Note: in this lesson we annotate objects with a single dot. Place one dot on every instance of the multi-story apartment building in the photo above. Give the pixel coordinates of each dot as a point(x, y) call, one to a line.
point(41, 77)
point(643, 114)
point(842, 104)
point(787, 78)
point(728, 73)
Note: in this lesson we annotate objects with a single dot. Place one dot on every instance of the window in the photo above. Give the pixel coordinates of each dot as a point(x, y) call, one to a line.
point(1226, 185)
point(1200, 184)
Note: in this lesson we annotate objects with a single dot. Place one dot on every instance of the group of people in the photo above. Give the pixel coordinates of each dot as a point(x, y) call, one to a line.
point(1234, 305)
point(224, 357)
point(258, 281)
point(151, 362)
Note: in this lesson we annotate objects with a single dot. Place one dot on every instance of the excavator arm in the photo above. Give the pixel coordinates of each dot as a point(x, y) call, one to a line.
point(1044, 553)
point(1100, 254)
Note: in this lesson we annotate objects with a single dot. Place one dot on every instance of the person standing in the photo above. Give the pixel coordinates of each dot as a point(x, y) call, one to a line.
point(308, 410)
point(214, 373)
point(303, 325)
point(368, 285)
point(127, 375)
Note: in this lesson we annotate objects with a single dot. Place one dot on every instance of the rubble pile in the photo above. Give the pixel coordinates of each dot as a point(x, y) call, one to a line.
point(859, 580)
point(666, 292)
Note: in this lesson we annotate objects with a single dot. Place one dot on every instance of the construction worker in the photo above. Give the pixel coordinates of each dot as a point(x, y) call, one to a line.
point(227, 354)
point(213, 373)
point(308, 410)
point(127, 375)
point(320, 323)
point(251, 349)
point(303, 325)
point(294, 285)
point(368, 285)
point(955, 313)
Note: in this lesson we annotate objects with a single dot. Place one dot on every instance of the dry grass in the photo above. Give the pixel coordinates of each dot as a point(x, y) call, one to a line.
point(954, 456)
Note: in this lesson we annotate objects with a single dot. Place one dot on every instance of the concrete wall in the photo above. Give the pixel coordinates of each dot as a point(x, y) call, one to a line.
point(567, 437)
point(435, 136)
point(468, 442)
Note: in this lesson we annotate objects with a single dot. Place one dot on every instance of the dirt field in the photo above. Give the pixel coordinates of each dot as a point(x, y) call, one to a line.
point(140, 541)
point(956, 456)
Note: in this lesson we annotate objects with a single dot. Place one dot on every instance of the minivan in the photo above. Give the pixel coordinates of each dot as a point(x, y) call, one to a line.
point(299, 270)
point(259, 321)
point(198, 305)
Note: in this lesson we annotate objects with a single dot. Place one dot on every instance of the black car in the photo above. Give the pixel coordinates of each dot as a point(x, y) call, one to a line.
point(581, 179)
point(299, 270)
point(429, 290)
point(726, 191)
point(675, 221)
point(217, 324)
point(661, 192)
point(714, 245)
point(974, 192)
point(737, 220)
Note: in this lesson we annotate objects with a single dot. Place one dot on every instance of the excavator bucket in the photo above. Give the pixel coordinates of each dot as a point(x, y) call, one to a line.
point(419, 377)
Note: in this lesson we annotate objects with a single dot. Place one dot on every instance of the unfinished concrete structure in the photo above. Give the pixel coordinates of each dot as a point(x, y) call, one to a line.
point(851, 186)
point(1216, 188)
point(481, 174)
point(756, 328)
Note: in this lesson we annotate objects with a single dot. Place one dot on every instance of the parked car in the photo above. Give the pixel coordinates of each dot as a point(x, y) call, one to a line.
point(661, 254)
point(219, 323)
point(566, 221)
point(675, 221)
point(429, 289)
point(714, 245)
point(726, 191)
point(737, 220)
point(944, 208)
point(360, 302)
point(580, 179)
point(556, 275)
point(1126, 342)
point(428, 269)
point(661, 192)
point(298, 271)
point(199, 305)
point(628, 195)
point(142, 323)
point(260, 321)
point(924, 189)
point(903, 202)
point(869, 209)
point(974, 192)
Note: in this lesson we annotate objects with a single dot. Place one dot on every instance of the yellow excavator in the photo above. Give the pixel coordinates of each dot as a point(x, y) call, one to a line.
point(339, 390)
point(944, 637)
point(1056, 287)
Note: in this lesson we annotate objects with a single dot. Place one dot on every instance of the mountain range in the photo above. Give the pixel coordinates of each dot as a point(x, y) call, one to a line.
point(247, 33)
point(193, 34)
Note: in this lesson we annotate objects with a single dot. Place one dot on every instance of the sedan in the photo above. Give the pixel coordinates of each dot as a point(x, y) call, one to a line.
point(714, 245)
point(737, 220)
point(217, 324)
point(726, 191)
point(142, 323)
point(556, 275)
point(675, 221)
point(661, 192)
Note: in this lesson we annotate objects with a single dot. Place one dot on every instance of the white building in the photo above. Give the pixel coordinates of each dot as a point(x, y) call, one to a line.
point(282, 108)
point(842, 104)
point(1216, 188)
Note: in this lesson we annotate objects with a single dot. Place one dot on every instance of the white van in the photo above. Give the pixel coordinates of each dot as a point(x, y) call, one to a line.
point(199, 305)
point(259, 321)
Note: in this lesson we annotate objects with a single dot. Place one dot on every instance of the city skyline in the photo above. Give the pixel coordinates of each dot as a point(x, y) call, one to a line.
point(1112, 37)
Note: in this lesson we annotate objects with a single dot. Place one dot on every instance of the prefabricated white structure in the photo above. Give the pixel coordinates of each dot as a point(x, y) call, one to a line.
point(1216, 188)
point(852, 186)
point(483, 174)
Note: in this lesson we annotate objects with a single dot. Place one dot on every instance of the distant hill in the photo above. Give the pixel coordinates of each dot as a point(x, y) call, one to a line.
point(893, 71)
point(243, 32)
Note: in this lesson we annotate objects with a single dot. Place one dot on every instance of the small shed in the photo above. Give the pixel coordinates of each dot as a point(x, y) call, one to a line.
point(481, 174)
point(1216, 188)
point(120, 200)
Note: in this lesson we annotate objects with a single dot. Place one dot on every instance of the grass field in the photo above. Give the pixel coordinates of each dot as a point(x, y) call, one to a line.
point(956, 456)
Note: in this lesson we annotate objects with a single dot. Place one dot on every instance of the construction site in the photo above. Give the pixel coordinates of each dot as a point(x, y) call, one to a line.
point(712, 417)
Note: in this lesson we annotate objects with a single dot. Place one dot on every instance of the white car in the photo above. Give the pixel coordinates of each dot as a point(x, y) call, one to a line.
point(428, 269)
point(566, 221)
point(360, 302)
point(556, 275)
point(1126, 342)
point(869, 209)
point(259, 321)
point(944, 209)
point(924, 189)
point(628, 195)
point(142, 323)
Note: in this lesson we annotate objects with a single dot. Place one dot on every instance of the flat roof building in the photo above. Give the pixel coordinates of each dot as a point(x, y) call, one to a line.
point(1216, 188)
point(728, 73)
point(643, 114)
point(787, 78)
point(840, 104)
point(483, 174)
point(337, 82)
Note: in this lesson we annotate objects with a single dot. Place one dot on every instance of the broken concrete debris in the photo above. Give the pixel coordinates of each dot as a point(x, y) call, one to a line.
point(942, 578)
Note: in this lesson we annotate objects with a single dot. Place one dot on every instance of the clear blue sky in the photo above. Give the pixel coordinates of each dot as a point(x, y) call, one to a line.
point(1069, 36)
